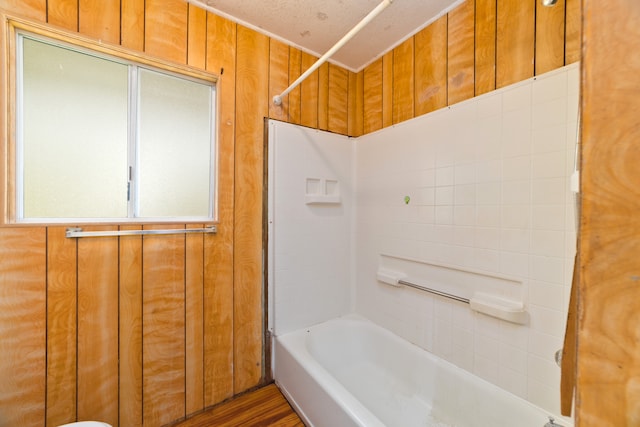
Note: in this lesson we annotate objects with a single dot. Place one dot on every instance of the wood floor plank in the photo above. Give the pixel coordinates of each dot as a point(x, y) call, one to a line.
point(263, 407)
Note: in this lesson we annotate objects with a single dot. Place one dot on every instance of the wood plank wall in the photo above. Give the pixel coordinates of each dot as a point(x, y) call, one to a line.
point(478, 47)
point(136, 330)
point(608, 381)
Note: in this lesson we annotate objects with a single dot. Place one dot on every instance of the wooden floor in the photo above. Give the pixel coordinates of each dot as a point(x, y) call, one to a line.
point(263, 407)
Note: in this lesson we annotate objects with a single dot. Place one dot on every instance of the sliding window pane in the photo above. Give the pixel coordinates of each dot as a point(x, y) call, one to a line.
point(175, 146)
point(74, 113)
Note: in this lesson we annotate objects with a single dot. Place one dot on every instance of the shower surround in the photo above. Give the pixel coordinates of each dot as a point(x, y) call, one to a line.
point(481, 186)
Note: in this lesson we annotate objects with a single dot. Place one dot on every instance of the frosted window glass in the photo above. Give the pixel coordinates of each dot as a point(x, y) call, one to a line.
point(74, 134)
point(174, 154)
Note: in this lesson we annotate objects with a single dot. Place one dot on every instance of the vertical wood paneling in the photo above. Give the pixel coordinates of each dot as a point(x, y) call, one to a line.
point(175, 31)
point(431, 67)
point(194, 306)
point(32, 9)
point(218, 249)
point(338, 108)
point(573, 31)
point(165, 31)
point(295, 64)
point(197, 37)
point(100, 20)
point(163, 327)
point(132, 24)
point(387, 89)
point(22, 326)
point(355, 106)
point(61, 327)
point(323, 96)
point(98, 328)
point(309, 94)
point(278, 78)
point(63, 13)
point(549, 37)
point(403, 81)
point(130, 337)
point(373, 85)
point(461, 53)
point(251, 96)
point(515, 41)
point(485, 50)
point(608, 385)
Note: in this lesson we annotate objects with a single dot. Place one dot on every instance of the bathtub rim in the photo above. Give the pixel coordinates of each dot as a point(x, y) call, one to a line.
point(359, 412)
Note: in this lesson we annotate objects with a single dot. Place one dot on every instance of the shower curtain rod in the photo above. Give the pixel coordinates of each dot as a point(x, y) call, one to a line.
point(277, 100)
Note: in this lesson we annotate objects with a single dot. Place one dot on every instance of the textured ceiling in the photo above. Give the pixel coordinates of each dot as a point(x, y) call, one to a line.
point(316, 25)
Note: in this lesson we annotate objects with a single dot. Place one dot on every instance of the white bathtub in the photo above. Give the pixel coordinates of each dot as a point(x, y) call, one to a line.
point(349, 372)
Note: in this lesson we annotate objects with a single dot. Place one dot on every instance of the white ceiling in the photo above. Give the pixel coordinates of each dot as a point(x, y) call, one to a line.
point(316, 25)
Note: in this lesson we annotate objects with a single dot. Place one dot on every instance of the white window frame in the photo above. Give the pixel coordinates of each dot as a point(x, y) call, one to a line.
point(134, 61)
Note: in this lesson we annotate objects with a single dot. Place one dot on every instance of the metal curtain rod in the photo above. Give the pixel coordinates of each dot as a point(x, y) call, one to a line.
point(77, 232)
point(433, 291)
point(277, 100)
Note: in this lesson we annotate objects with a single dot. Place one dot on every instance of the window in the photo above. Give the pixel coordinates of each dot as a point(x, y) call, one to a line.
point(102, 138)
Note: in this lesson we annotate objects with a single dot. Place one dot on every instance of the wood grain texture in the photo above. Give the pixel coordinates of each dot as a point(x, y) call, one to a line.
point(323, 96)
point(61, 327)
point(608, 387)
point(568, 363)
point(197, 37)
point(130, 328)
point(461, 53)
point(63, 13)
point(194, 318)
point(100, 20)
point(218, 249)
point(403, 81)
point(356, 105)
point(515, 43)
point(387, 89)
point(338, 108)
point(22, 326)
point(309, 94)
point(373, 85)
point(163, 327)
point(485, 48)
point(251, 97)
point(132, 24)
point(550, 37)
point(263, 407)
point(165, 30)
point(431, 67)
point(278, 78)
point(573, 31)
point(32, 9)
point(98, 328)
point(295, 65)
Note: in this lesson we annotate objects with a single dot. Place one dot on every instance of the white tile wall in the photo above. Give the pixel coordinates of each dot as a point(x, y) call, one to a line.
point(488, 187)
point(491, 193)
